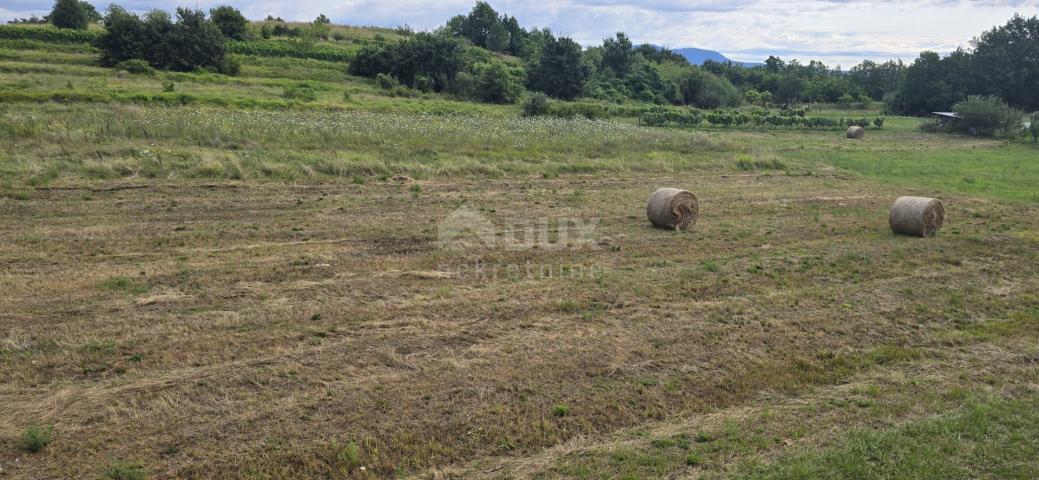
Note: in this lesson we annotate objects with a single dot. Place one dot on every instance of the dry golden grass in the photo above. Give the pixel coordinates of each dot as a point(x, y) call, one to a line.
point(260, 330)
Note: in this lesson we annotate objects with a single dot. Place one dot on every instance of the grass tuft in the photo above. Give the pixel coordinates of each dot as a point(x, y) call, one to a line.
point(36, 438)
point(125, 470)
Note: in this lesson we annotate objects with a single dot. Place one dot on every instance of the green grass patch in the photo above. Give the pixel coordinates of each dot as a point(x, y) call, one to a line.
point(125, 470)
point(36, 438)
point(124, 284)
point(1004, 171)
point(987, 438)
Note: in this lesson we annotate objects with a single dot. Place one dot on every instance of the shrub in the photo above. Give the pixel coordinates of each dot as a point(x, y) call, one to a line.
point(423, 83)
point(495, 83)
point(70, 14)
point(230, 21)
point(36, 437)
point(706, 90)
point(301, 92)
point(845, 101)
point(135, 66)
point(346, 458)
point(985, 116)
point(535, 105)
point(560, 410)
point(1034, 127)
point(318, 31)
point(168, 86)
point(229, 66)
point(756, 97)
point(386, 82)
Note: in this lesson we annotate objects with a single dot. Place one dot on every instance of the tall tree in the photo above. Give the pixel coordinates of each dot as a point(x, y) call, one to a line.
point(231, 22)
point(933, 83)
point(484, 28)
point(70, 14)
point(558, 70)
point(878, 79)
point(1006, 62)
point(618, 54)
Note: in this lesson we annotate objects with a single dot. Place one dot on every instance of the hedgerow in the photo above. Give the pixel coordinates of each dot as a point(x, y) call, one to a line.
point(747, 119)
point(286, 48)
point(48, 33)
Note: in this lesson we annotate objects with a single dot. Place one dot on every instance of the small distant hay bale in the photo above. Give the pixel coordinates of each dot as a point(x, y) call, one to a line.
point(673, 208)
point(917, 216)
point(856, 132)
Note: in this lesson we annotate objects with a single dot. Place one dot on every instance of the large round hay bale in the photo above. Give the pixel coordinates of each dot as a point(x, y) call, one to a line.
point(856, 132)
point(919, 216)
point(673, 208)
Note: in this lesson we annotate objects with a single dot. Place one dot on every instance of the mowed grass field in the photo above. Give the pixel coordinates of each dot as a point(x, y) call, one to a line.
point(245, 290)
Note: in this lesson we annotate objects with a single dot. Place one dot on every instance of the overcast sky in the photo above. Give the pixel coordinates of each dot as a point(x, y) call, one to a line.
point(838, 32)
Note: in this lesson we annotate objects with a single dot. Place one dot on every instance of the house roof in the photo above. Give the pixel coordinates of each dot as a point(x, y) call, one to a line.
point(946, 114)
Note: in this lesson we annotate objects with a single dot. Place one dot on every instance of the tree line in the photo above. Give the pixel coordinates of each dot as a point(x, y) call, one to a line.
point(1002, 62)
point(488, 56)
point(557, 66)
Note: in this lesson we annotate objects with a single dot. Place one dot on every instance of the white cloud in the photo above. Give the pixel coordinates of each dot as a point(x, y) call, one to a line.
point(835, 31)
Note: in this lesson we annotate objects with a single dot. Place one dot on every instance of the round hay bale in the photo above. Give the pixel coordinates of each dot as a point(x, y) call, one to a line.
point(918, 216)
point(856, 132)
point(673, 208)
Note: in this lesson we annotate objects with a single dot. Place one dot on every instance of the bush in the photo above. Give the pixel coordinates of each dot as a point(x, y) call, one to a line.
point(135, 66)
point(1033, 128)
point(423, 83)
point(71, 14)
point(756, 97)
point(985, 116)
point(386, 82)
point(495, 83)
point(845, 101)
point(535, 105)
point(301, 92)
point(36, 438)
point(707, 90)
point(229, 66)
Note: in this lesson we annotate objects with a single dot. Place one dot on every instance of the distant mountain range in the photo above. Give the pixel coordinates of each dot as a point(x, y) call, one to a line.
point(697, 56)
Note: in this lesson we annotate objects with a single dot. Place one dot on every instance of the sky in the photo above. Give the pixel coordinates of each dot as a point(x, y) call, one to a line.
point(837, 32)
